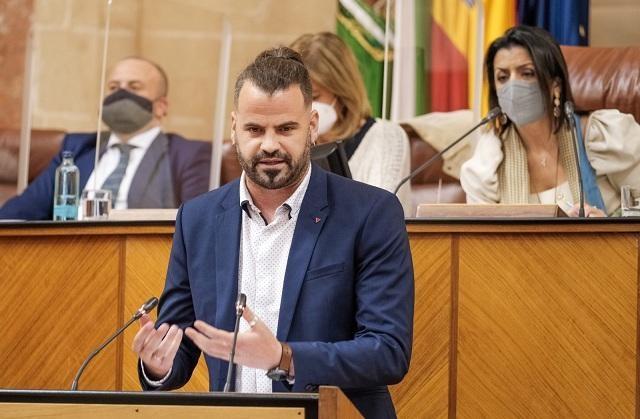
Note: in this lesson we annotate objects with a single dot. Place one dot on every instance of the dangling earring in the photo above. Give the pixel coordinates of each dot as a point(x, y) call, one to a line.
point(556, 106)
point(502, 119)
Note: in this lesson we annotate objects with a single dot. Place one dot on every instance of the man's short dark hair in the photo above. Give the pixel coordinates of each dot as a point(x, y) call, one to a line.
point(274, 70)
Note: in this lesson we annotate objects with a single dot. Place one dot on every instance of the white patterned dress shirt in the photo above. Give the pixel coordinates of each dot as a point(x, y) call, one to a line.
point(264, 252)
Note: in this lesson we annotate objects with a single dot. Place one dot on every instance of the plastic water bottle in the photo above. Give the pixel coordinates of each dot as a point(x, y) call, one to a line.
point(66, 192)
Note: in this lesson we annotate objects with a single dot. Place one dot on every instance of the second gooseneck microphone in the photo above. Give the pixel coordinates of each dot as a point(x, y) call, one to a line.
point(569, 112)
point(493, 114)
point(241, 303)
point(145, 309)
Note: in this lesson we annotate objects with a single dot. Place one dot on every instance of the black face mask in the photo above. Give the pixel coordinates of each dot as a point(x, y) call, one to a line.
point(125, 112)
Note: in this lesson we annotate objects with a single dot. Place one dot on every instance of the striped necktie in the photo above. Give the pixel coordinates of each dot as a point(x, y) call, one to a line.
point(112, 183)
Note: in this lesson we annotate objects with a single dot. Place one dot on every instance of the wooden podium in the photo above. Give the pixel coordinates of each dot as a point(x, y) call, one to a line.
point(531, 318)
point(329, 403)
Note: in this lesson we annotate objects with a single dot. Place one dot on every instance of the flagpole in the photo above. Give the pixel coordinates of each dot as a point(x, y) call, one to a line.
point(385, 71)
point(103, 72)
point(25, 127)
point(479, 59)
point(224, 63)
point(403, 84)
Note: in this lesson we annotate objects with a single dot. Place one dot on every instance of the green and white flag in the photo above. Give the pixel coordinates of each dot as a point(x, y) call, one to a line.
point(362, 29)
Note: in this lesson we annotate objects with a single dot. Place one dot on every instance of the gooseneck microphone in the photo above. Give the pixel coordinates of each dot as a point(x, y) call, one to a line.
point(145, 309)
point(569, 112)
point(241, 303)
point(493, 114)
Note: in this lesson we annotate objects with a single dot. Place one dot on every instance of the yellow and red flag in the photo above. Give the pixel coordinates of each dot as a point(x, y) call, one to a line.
point(454, 47)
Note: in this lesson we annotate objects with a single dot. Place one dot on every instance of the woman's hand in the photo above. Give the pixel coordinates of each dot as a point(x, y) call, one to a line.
point(589, 211)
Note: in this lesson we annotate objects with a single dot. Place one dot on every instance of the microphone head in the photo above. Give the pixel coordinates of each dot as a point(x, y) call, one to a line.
point(146, 307)
point(569, 108)
point(493, 114)
point(241, 303)
point(150, 305)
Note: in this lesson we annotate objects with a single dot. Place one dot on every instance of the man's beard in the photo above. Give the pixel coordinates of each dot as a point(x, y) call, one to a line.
point(276, 178)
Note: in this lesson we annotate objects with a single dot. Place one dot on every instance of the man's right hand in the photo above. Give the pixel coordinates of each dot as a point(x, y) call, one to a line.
point(156, 347)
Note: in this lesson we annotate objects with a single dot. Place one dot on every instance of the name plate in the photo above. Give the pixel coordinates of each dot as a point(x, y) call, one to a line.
point(489, 211)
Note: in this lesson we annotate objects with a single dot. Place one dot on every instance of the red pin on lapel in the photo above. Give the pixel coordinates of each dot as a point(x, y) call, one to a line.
point(316, 220)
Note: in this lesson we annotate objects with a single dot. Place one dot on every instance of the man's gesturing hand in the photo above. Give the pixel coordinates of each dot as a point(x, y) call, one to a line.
point(255, 348)
point(156, 347)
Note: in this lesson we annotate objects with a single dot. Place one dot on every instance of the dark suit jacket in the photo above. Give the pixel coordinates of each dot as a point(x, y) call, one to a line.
point(347, 301)
point(172, 171)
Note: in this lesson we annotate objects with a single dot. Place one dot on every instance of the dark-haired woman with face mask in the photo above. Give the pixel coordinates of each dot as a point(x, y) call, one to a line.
point(378, 150)
point(528, 156)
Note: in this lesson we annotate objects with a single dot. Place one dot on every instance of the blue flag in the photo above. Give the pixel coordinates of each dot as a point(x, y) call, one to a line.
point(566, 20)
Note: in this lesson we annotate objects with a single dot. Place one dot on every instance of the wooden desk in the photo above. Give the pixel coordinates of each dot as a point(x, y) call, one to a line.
point(513, 319)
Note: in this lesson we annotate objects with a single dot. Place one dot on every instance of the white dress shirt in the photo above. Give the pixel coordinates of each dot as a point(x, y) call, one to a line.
point(109, 161)
point(560, 195)
point(264, 252)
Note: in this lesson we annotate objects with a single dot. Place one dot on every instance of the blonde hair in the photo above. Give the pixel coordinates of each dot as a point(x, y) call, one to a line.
point(332, 64)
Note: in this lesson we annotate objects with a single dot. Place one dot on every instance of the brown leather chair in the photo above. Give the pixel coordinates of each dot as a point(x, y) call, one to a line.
point(44, 146)
point(605, 78)
point(230, 167)
point(424, 187)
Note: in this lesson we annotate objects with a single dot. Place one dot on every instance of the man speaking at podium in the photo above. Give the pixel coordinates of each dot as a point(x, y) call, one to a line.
point(324, 262)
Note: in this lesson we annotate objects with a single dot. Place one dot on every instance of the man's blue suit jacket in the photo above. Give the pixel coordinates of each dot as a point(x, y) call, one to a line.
point(172, 171)
point(347, 300)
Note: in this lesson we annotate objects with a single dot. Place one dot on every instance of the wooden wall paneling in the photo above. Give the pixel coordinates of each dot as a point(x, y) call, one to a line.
point(146, 268)
point(547, 325)
point(424, 392)
point(59, 299)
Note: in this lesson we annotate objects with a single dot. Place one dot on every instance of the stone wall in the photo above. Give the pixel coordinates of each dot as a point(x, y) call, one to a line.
point(14, 31)
point(183, 36)
point(614, 23)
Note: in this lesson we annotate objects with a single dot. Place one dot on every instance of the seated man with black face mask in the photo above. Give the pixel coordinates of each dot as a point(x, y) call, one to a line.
point(141, 166)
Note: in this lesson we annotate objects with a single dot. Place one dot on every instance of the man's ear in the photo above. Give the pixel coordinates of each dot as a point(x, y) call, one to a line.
point(313, 126)
point(233, 127)
point(161, 107)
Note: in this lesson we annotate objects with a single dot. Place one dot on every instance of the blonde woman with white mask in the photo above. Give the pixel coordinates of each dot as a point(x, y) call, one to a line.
point(378, 150)
point(528, 156)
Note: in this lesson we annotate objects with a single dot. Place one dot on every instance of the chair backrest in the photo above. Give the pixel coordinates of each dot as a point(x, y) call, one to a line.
point(605, 78)
point(44, 145)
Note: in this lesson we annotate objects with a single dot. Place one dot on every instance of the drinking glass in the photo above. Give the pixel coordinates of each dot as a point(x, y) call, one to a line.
point(630, 201)
point(95, 204)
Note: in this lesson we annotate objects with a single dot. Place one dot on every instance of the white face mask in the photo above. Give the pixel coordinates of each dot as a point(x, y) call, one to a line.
point(327, 116)
point(522, 101)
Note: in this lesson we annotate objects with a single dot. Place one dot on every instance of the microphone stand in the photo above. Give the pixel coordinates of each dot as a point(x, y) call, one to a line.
point(569, 112)
point(241, 303)
point(146, 308)
point(493, 114)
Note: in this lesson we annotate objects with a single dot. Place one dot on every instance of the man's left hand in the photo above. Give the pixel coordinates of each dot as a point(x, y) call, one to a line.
point(255, 348)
